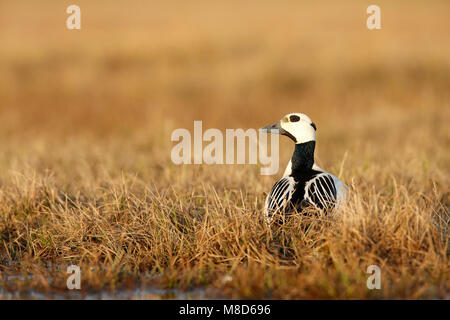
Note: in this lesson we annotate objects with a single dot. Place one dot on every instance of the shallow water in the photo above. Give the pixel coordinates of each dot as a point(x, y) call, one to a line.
point(139, 293)
point(148, 292)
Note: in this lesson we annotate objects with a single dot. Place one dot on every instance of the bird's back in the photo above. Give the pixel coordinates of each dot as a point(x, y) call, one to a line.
point(297, 190)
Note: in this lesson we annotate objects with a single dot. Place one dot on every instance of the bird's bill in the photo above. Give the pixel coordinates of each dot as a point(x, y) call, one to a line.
point(273, 128)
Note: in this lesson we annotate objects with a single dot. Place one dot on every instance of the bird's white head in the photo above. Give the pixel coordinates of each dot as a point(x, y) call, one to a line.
point(297, 126)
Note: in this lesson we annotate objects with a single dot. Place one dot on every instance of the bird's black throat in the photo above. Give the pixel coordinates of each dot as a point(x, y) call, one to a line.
point(303, 157)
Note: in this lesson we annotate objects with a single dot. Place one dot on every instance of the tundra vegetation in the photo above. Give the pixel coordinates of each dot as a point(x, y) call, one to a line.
point(86, 120)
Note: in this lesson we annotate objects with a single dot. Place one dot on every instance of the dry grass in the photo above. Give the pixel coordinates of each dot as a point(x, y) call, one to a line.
point(85, 170)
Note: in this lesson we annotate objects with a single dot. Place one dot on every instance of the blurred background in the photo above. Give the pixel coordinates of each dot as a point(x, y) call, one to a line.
point(86, 118)
point(144, 68)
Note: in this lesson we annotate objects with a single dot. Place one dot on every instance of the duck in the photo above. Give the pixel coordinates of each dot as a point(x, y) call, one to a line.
point(304, 184)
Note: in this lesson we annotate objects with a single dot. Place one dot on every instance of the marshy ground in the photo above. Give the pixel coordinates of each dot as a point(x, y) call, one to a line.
point(86, 176)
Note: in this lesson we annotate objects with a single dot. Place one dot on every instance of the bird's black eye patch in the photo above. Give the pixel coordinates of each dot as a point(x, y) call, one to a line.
point(314, 126)
point(294, 118)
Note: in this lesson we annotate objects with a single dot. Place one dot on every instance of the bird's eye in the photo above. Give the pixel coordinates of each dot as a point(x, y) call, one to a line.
point(294, 118)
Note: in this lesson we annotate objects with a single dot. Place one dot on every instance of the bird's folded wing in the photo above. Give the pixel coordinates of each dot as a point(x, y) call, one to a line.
point(321, 191)
point(280, 195)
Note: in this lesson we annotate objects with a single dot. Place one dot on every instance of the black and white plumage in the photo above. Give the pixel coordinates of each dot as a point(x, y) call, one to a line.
point(304, 183)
